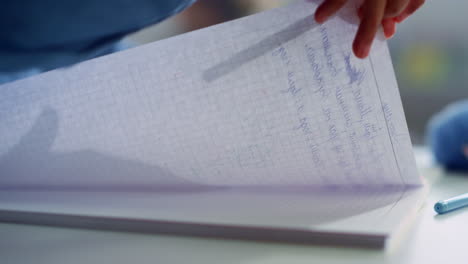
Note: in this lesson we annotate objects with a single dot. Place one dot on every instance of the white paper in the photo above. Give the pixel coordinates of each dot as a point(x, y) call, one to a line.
point(267, 121)
point(271, 99)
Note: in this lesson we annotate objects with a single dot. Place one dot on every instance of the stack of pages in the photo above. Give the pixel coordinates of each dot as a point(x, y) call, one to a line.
point(263, 128)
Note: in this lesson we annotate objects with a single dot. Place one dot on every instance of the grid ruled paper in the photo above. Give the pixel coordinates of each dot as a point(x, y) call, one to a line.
point(272, 99)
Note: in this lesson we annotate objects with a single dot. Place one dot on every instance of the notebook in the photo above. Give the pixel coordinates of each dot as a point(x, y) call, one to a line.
point(262, 128)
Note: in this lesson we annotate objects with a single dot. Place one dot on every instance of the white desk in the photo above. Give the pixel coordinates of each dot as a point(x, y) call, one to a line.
point(432, 239)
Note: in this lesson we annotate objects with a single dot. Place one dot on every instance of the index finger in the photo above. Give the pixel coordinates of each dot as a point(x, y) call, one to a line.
point(373, 13)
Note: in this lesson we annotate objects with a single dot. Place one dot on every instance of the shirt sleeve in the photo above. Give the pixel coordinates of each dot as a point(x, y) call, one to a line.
point(44, 35)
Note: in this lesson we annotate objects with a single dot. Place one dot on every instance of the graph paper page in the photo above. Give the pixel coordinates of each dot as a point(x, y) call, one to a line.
point(273, 99)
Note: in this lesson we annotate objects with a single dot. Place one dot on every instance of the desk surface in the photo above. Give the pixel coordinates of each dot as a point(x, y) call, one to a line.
point(432, 239)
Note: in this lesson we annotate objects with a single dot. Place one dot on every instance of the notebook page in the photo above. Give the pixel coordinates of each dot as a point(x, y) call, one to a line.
point(272, 99)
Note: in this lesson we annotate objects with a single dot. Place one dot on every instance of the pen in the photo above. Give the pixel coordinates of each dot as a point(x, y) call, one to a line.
point(451, 204)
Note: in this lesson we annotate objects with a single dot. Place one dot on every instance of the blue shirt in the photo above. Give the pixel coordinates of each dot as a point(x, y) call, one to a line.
point(42, 35)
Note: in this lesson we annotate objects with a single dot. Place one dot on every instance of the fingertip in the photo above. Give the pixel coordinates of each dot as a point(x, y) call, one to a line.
point(400, 18)
point(393, 31)
point(390, 34)
point(361, 50)
point(387, 34)
point(389, 27)
point(319, 17)
point(321, 14)
point(327, 9)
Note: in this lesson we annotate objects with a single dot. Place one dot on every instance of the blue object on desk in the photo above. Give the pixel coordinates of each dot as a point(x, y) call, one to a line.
point(451, 204)
point(448, 136)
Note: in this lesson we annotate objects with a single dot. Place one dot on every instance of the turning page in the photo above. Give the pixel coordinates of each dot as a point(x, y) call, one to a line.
point(272, 103)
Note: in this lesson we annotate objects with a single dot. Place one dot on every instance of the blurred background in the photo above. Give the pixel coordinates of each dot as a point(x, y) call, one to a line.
point(429, 51)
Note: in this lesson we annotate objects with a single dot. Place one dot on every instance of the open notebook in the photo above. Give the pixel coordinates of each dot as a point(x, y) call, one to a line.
point(264, 128)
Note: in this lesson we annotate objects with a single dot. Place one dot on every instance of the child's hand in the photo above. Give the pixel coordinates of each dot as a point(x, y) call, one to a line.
point(372, 14)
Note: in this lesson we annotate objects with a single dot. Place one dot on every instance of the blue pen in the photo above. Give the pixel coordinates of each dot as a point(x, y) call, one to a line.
point(454, 203)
